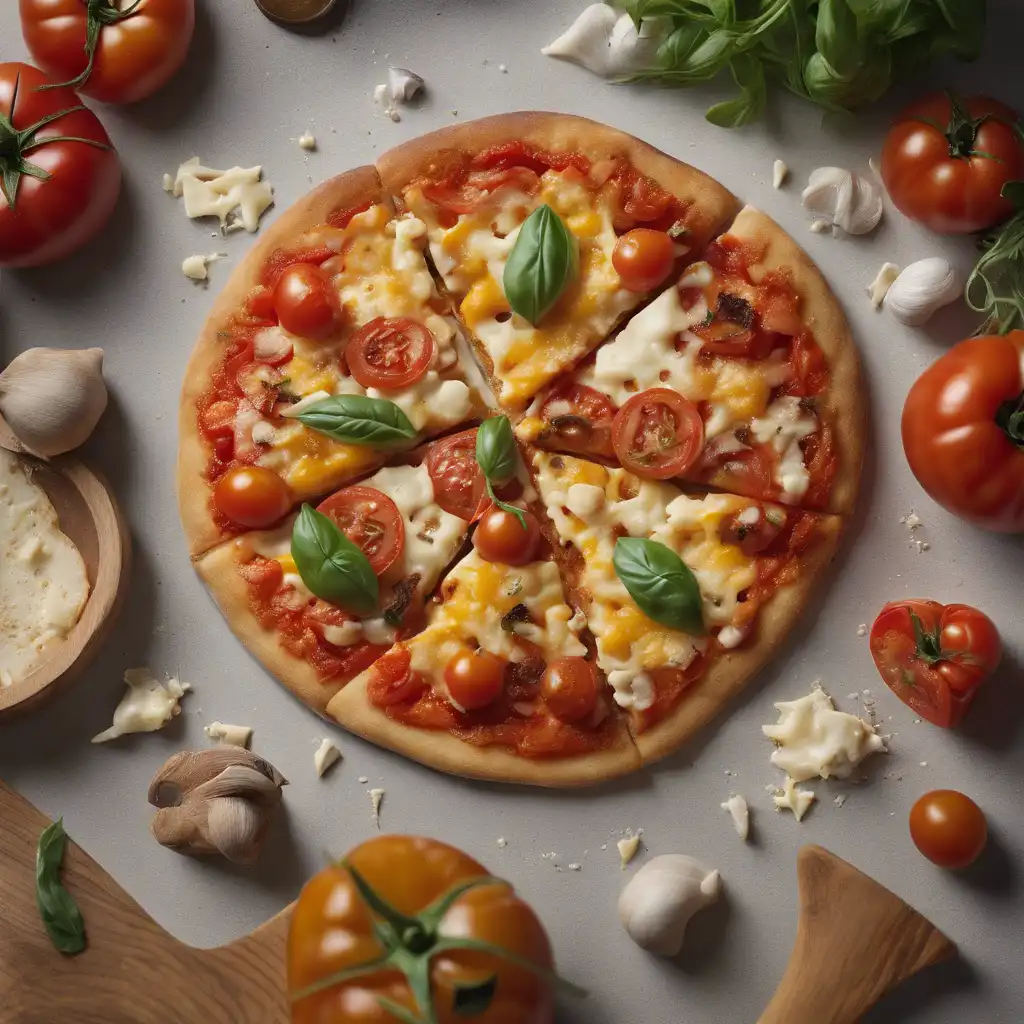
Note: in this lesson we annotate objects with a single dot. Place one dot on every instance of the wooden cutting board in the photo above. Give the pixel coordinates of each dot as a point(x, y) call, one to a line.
point(855, 942)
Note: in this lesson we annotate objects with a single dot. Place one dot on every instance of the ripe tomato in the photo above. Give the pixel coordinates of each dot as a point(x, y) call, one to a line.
point(946, 160)
point(478, 187)
point(500, 537)
point(56, 195)
point(135, 49)
point(392, 680)
point(580, 417)
point(306, 302)
point(948, 828)
point(333, 929)
point(740, 471)
point(963, 431)
point(643, 259)
point(252, 496)
point(658, 434)
point(371, 520)
point(475, 679)
point(389, 352)
point(752, 529)
point(459, 485)
point(569, 686)
point(934, 657)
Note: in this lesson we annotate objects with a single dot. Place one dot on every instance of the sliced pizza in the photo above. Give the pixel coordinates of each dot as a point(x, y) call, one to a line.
point(685, 595)
point(329, 350)
point(743, 376)
point(548, 230)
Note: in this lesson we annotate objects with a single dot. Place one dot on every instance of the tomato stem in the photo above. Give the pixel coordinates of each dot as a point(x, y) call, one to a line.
point(962, 130)
point(1010, 419)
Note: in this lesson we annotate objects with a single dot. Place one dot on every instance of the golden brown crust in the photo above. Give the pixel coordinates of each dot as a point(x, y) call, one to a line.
point(346, 190)
point(842, 405)
point(731, 672)
point(442, 750)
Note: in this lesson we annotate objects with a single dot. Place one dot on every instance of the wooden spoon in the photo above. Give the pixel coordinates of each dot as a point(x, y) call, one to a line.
point(90, 517)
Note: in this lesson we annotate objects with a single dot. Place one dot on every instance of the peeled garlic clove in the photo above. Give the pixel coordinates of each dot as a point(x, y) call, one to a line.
point(845, 199)
point(403, 85)
point(52, 399)
point(922, 289)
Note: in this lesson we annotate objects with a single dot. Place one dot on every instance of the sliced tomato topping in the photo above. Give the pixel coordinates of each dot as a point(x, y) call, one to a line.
point(745, 471)
point(478, 187)
point(570, 687)
point(371, 520)
point(644, 200)
point(282, 259)
point(260, 304)
point(459, 486)
point(752, 529)
point(389, 352)
point(580, 417)
point(392, 680)
point(810, 370)
point(264, 576)
point(658, 434)
point(342, 218)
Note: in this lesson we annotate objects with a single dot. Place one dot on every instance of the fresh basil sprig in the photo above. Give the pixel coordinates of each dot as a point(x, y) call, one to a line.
point(57, 907)
point(332, 566)
point(996, 285)
point(498, 457)
point(543, 261)
point(660, 582)
point(358, 419)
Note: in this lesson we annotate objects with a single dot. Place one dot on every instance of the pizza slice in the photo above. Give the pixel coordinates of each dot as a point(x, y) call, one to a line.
point(328, 350)
point(548, 230)
point(686, 595)
point(744, 376)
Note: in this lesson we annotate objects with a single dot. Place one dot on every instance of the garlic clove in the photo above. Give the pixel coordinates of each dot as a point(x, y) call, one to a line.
point(403, 85)
point(922, 289)
point(52, 399)
point(844, 199)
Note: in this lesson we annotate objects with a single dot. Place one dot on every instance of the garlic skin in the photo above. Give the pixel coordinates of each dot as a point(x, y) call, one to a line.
point(660, 899)
point(844, 199)
point(607, 42)
point(923, 289)
point(403, 85)
point(51, 400)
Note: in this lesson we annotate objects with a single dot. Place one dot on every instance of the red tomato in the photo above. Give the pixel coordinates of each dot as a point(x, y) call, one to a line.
point(136, 50)
point(389, 352)
point(56, 195)
point(478, 186)
point(963, 431)
point(371, 520)
point(743, 471)
point(500, 537)
point(569, 686)
point(306, 302)
point(948, 828)
point(459, 486)
point(252, 496)
point(658, 434)
point(474, 679)
point(934, 657)
point(644, 200)
point(752, 529)
point(580, 417)
point(643, 259)
point(392, 680)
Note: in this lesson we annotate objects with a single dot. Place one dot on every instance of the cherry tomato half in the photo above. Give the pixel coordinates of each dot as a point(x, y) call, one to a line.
point(371, 520)
point(579, 417)
point(392, 680)
point(752, 529)
point(658, 434)
point(745, 471)
point(474, 679)
point(306, 302)
point(252, 496)
point(569, 687)
point(948, 828)
point(643, 259)
point(500, 537)
point(389, 352)
point(459, 486)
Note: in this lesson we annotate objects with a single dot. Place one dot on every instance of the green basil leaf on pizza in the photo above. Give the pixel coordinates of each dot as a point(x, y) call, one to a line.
point(498, 458)
point(543, 262)
point(358, 419)
point(660, 583)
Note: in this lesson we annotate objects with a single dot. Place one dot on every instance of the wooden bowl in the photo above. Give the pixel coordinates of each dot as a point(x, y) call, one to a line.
point(90, 517)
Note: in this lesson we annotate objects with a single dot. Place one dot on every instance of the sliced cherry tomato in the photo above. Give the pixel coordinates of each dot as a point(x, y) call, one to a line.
point(475, 679)
point(389, 352)
point(570, 687)
point(500, 537)
point(306, 302)
point(371, 520)
point(948, 828)
point(478, 187)
point(252, 496)
point(459, 486)
point(392, 680)
point(732, 330)
point(934, 657)
point(752, 529)
point(658, 434)
point(644, 200)
point(643, 259)
point(747, 471)
point(580, 417)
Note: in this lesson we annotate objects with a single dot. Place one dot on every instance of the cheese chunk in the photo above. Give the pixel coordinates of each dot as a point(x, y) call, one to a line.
point(229, 735)
point(237, 197)
point(327, 755)
point(147, 706)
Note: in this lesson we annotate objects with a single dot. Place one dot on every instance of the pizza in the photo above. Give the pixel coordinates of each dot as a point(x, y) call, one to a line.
point(521, 452)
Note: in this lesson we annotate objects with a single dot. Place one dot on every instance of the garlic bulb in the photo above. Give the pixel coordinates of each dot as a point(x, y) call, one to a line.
point(922, 289)
point(844, 199)
point(51, 399)
point(607, 42)
point(661, 898)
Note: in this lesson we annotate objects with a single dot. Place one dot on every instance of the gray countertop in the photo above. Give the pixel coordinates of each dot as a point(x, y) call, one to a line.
point(248, 91)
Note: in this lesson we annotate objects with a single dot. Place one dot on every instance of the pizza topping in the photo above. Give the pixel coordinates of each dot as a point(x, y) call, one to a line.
point(371, 520)
point(643, 259)
point(474, 679)
point(392, 680)
point(356, 419)
point(272, 346)
point(252, 496)
point(658, 434)
point(544, 260)
point(307, 302)
point(458, 481)
point(660, 583)
point(570, 688)
point(498, 458)
point(579, 416)
point(785, 425)
point(401, 599)
point(753, 529)
point(390, 353)
point(500, 536)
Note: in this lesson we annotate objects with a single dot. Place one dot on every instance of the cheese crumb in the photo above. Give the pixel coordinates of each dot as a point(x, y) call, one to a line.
point(575, 867)
point(196, 268)
point(307, 141)
point(840, 800)
point(738, 809)
point(862, 629)
point(147, 706)
point(364, 779)
point(501, 842)
point(230, 735)
point(628, 849)
point(780, 172)
point(327, 754)
point(238, 197)
point(376, 799)
point(789, 798)
point(820, 226)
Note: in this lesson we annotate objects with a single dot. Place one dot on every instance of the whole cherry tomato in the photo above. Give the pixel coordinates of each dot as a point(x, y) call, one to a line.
point(946, 160)
point(475, 678)
point(643, 259)
point(500, 536)
point(431, 928)
point(252, 496)
point(934, 657)
point(112, 52)
point(570, 688)
point(948, 828)
point(963, 431)
point(60, 178)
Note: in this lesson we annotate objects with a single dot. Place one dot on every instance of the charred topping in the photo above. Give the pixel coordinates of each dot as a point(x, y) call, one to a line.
point(396, 608)
point(517, 613)
point(735, 310)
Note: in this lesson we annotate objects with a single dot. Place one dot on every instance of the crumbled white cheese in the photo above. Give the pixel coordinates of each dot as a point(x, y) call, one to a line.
point(820, 226)
point(840, 800)
point(327, 754)
point(196, 268)
point(792, 799)
point(383, 99)
point(780, 172)
point(307, 141)
point(884, 280)
point(363, 779)
point(403, 84)
point(862, 629)
point(628, 849)
point(238, 197)
point(147, 706)
point(231, 735)
point(501, 842)
point(739, 811)
point(376, 798)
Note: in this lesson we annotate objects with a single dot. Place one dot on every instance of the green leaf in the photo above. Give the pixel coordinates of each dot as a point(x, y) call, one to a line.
point(748, 73)
point(332, 566)
point(498, 457)
point(543, 262)
point(660, 583)
point(837, 38)
point(966, 20)
point(473, 998)
point(357, 419)
point(1014, 191)
point(57, 907)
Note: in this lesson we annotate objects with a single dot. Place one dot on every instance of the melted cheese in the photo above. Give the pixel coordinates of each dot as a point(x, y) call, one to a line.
point(147, 705)
point(784, 425)
point(237, 197)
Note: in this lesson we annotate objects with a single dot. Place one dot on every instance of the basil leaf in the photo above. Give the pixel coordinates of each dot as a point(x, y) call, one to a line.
point(660, 583)
point(498, 458)
point(543, 261)
point(748, 73)
point(358, 419)
point(837, 39)
point(470, 999)
point(57, 907)
point(332, 566)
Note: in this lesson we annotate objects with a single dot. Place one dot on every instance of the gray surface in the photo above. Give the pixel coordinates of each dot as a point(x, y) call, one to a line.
point(248, 91)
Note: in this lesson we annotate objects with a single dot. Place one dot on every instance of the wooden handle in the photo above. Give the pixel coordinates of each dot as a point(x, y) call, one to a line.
point(855, 941)
point(132, 971)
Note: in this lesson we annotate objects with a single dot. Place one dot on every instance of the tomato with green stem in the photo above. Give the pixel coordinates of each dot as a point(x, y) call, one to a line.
point(502, 536)
point(948, 828)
